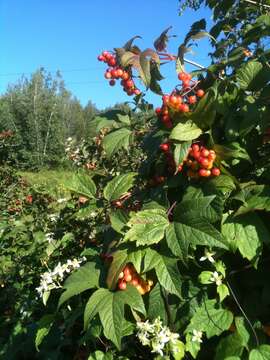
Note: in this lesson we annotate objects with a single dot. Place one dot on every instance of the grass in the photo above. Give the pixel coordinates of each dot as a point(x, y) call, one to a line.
point(49, 181)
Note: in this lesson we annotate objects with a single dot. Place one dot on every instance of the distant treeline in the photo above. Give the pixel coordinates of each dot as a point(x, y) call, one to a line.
point(41, 114)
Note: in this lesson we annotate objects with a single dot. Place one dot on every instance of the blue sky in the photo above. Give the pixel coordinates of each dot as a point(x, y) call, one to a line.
point(67, 35)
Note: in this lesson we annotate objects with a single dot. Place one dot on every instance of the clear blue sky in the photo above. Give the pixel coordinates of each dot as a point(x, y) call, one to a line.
point(67, 35)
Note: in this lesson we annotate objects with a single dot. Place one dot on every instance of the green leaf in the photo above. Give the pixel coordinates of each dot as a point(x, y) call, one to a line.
point(147, 227)
point(98, 123)
point(81, 184)
point(44, 326)
point(221, 185)
point(246, 233)
point(181, 152)
point(99, 355)
point(166, 270)
point(156, 307)
point(178, 350)
point(246, 75)
point(119, 186)
point(116, 140)
point(261, 353)
point(210, 318)
point(208, 207)
point(255, 197)
point(110, 307)
point(178, 244)
point(222, 291)
point(125, 119)
point(185, 132)
point(233, 150)
point(86, 277)
point(118, 219)
point(198, 232)
point(205, 277)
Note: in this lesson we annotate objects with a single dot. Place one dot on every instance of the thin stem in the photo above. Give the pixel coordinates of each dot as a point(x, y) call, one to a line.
point(194, 64)
point(257, 4)
point(171, 208)
point(243, 312)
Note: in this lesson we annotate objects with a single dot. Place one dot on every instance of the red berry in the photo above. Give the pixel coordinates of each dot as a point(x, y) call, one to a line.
point(184, 108)
point(112, 62)
point(164, 147)
point(166, 118)
point(205, 153)
point(215, 171)
point(112, 82)
point(195, 147)
point(106, 54)
point(158, 111)
point(120, 72)
point(165, 99)
point(125, 75)
point(180, 167)
point(186, 83)
point(101, 58)
point(192, 99)
point(122, 285)
point(182, 76)
point(137, 92)
point(114, 73)
point(129, 83)
point(173, 100)
point(188, 77)
point(200, 93)
point(135, 281)
point(204, 173)
point(204, 162)
point(108, 75)
point(211, 156)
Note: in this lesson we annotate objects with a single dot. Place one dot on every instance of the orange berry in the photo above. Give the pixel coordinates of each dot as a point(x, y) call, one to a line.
point(200, 93)
point(204, 173)
point(205, 152)
point(121, 275)
point(122, 285)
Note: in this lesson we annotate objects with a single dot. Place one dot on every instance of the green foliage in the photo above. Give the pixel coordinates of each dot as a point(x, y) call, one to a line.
point(131, 239)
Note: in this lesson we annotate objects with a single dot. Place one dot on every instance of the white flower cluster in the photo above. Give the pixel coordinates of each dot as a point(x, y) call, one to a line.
point(49, 237)
point(155, 335)
point(52, 279)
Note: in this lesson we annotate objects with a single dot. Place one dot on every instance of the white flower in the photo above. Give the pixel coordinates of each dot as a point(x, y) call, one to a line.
point(53, 217)
point(61, 200)
point(216, 278)
point(143, 337)
point(157, 347)
point(208, 256)
point(49, 237)
point(197, 336)
point(145, 326)
point(163, 337)
point(173, 337)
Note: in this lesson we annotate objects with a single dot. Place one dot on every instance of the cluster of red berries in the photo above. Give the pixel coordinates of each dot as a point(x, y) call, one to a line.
point(6, 134)
point(179, 100)
point(116, 72)
point(130, 275)
point(199, 162)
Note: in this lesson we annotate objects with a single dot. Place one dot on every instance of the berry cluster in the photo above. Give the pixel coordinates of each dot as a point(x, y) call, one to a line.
point(199, 162)
point(179, 100)
point(130, 275)
point(116, 72)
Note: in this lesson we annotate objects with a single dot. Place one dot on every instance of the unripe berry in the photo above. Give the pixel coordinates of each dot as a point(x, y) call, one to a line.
point(140, 289)
point(192, 99)
point(121, 275)
point(200, 93)
point(164, 147)
point(122, 285)
point(215, 171)
point(127, 277)
point(204, 173)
